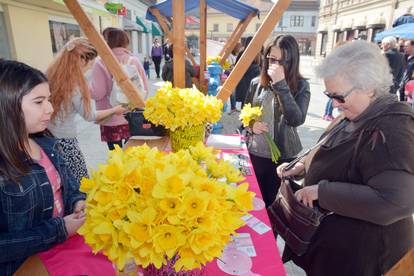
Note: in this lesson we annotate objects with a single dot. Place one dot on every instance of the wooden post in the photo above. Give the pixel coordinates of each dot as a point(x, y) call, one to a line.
point(203, 42)
point(254, 47)
point(121, 77)
point(231, 38)
point(237, 36)
point(178, 30)
point(161, 20)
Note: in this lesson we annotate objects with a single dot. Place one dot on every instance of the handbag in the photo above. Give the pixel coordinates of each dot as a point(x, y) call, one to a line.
point(139, 126)
point(295, 222)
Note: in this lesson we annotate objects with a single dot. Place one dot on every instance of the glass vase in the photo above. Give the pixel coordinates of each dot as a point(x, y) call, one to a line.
point(183, 138)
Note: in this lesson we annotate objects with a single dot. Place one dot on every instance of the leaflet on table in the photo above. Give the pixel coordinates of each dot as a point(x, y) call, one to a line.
point(257, 225)
point(224, 141)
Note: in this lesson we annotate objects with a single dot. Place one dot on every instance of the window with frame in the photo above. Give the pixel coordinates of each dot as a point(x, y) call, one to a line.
point(215, 27)
point(324, 41)
point(296, 21)
point(4, 42)
point(229, 27)
point(313, 22)
point(61, 33)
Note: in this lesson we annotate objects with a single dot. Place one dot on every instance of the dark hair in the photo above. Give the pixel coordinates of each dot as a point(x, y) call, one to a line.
point(116, 37)
point(16, 80)
point(290, 56)
point(170, 51)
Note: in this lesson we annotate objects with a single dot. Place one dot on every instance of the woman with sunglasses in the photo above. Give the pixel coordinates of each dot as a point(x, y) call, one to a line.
point(363, 172)
point(284, 96)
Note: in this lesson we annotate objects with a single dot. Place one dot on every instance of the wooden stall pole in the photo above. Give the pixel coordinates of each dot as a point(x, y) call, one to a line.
point(121, 77)
point(178, 38)
point(254, 47)
point(231, 38)
point(161, 20)
point(237, 36)
point(203, 43)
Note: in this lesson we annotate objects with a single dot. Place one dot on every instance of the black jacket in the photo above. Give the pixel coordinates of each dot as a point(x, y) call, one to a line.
point(168, 72)
point(408, 73)
point(397, 64)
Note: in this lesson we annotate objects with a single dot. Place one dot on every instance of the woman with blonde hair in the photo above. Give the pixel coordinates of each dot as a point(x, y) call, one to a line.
point(70, 96)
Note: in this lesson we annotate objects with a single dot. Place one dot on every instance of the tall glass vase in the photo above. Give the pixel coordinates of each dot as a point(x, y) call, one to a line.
point(183, 138)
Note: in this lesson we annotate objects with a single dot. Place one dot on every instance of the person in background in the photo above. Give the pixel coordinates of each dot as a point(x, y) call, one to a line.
point(395, 60)
point(147, 64)
point(284, 95)
point(114, 130)
point(156, 55)
point(168, 70)
point(41, 205)
point(252, 72)
point(363, 172)
point(409, 69)
point(232, 59)
point(70, 97)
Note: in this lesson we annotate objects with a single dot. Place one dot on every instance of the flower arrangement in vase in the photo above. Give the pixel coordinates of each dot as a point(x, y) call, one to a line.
point(154, 207)
point(184, 111)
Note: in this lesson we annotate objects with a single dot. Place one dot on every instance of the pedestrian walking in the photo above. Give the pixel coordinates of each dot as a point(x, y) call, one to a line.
point(156, 55)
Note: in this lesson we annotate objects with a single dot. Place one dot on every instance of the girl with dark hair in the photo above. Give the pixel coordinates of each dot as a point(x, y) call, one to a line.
point(40, 202)
point(70, 97)
point(284, 96)
point(115, 130)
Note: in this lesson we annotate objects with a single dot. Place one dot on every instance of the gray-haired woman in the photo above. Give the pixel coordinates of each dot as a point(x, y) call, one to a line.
point(363, 172)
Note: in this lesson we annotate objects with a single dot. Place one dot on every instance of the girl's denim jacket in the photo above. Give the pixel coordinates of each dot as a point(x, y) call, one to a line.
point(27, 225)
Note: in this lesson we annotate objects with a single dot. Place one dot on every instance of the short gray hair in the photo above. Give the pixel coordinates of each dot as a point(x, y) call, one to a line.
point(361, 63)
point(391, 41)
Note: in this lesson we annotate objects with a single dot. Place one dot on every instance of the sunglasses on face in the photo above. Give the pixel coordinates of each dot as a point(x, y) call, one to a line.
point(340, 98)
point(273, 60)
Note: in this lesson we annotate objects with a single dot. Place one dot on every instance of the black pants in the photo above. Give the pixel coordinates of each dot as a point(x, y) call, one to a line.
point(267, 178)
point(157, 62)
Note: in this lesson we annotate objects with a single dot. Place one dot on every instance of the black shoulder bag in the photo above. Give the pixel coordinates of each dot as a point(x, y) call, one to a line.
point(293, 221)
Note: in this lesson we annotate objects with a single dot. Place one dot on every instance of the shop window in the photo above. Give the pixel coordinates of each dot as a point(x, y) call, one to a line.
point(375, 32)
point(4, 42)
point(339, 36)
point(350, 35)
point(61, 33)
point(324, 41)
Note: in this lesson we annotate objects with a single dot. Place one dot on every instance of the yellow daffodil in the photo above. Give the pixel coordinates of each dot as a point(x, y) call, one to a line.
point(249, 114)
point(151, 206)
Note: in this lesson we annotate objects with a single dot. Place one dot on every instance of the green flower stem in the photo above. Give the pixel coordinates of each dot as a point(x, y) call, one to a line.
point(275, 152)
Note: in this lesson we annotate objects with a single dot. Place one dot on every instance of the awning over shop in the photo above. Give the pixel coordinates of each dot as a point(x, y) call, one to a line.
point(140, 22)
point(405, 31)
point(233, 8)
point(155, 30)
point(90, 7)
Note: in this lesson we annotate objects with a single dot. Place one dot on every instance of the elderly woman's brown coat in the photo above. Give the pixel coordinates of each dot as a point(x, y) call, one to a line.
point(366, 177)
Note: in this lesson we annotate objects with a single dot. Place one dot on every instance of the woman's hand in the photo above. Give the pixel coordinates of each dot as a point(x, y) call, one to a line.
point(276, 72)
point(307, 195)
point(79, 208)
point(119, 110)
point(259, 128)
point(296, 170)
point(73, 222)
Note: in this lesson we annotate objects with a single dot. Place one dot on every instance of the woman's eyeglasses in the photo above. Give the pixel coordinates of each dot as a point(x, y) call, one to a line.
point(273, 60)
point(339, 98)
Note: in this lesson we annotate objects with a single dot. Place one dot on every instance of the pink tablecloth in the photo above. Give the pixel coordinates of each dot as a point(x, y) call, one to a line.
point(74, 257)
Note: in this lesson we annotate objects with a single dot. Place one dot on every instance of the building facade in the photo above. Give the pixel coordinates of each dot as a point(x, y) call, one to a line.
point(344, 20)
point(33, 31)
point(301, 21)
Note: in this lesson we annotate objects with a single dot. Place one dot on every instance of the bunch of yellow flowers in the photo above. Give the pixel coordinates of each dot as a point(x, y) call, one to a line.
point(150, 206)
point(249, 114)
point(182, 107)
point(225, 66)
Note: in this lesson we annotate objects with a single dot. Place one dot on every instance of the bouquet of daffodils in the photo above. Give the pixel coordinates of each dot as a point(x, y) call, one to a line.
point(152, 206)
point(179, 108)
point(249, 115)
point(217, 59)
